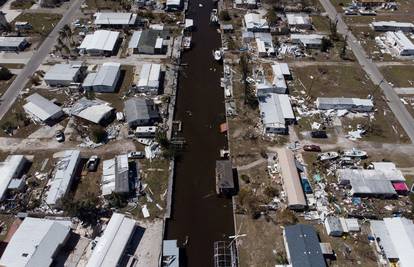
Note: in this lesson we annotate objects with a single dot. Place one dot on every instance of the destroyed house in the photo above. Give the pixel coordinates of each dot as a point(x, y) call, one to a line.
point(36, 242)
point(372, 182)
point(351, 104)
point(333, 226)
point(385, 26)
point(11, 169)
point(255, 23)
point(299, 21)
point(290, 179)
point(140, 111)
point(276, 112)
point(64, 74)
point(111, 246)
point(115, 176)
point(302, 246)
point(173, 5)
point(224, 178)
point(101, 42)
point(96, 110)
point(62, 179)
point(264, 45)
point(105, 80)
point(394, 237)
point(42, 110)
point(115, 19)
point(149, 41)
point(149, 78)
point(13, 43)
point(307, 40)
point(280, 72)
point(399, 43)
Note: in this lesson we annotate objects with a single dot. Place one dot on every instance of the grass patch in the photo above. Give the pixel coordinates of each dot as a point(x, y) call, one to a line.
point(42, 23)
point(22, 4)
point(321, 23)
point(400, 76)
point(12, 65)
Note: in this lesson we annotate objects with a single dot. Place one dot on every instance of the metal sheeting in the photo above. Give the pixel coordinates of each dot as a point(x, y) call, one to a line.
point(150, 76)
point(6, 41)
point(100, 40)
point(114, 18)
point(115, 176)
point(111, 245)
point(8, 170)
point(92, 110)
point(275, 109)
point(63, 72)
point(41, 108)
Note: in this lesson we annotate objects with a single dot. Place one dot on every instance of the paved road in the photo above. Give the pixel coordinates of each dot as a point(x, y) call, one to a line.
point(394, 102)
point(33, 64)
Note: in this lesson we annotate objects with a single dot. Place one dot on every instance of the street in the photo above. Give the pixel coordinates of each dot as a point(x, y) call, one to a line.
point(394, 102)
point(33, 64)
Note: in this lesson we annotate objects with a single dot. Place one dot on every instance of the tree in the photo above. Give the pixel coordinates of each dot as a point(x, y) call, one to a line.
point(97, 134)
point(85, 209)
point(5, 74)
point(117, 200)
point(334, 30)
point(343, 50)
point(249, 96)
point(326, 44)
point(272, 17)
point(224, 15)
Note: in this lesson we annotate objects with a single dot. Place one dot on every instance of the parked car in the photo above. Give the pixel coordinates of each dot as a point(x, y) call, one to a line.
point(319, 134)
point(60, 136)
point(92, 163)
point(312, 148)
point(136, 155)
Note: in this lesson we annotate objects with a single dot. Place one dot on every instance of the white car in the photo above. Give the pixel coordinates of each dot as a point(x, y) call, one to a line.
point(136, 155)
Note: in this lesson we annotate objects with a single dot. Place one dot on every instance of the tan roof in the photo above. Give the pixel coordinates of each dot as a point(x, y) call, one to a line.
point(291, 181)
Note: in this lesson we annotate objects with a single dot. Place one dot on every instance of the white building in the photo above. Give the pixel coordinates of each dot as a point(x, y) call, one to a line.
point(146, 131)
point(115, 175)
point(95, 110)
point(42, 110)
point(255, 23)
point(11, 168)
point(149, 78)
point(385, 26)
point(395, 238)
point(63, 74)
point(36, 242)
point(337, 103)
point(265, 47)
point(299, 21)
point(115, 19)
point(307, 40)
point(280, 71)
point(112, 244)
point(399, 44)
point(105, 80)
point(64, 174)
point(13, 43)
point(276, 112)
point(101, 42)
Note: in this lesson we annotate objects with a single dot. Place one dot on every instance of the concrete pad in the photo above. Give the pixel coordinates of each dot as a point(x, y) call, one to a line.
point(46, 132)
point(149, 248)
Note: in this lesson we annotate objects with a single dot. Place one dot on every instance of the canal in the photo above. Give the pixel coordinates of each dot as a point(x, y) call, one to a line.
point(198, 215)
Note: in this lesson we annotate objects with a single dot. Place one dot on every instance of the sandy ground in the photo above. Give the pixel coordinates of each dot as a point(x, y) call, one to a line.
point(149, 248)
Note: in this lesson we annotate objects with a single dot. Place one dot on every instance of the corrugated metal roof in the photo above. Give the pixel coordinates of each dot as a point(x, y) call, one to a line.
point(62, 72)
point(150, 75)
point(41, 108)
point(139, 108)
point(115, 175)
point(35, 242)
point(8, 169)
point(106, 75)
point(92, 110)
point(224, 174)
point(303, 245)
point(136, 36)
point(6, 41)
point(275, 109)
point(100, 40)
point(114, 18)
point(111, 245)
point(291, 182)
point(64, 173)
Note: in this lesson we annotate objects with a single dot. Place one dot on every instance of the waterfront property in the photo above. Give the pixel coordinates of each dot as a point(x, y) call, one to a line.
point(140, 111)
point(148, 41)
point(224, 178)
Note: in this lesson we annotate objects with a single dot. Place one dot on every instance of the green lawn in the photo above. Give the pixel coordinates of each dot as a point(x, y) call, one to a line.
point(42, 23)
point(400, 76)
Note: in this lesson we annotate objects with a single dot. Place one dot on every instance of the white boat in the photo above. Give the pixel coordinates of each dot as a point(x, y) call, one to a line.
point(214, 19)
point(218, 55)
point(145, 142)
point(328, 156)
point(187, 42)
point(355, 153)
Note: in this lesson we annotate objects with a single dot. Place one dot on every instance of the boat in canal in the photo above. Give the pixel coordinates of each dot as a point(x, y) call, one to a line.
point(187, 42)
point(218, 55)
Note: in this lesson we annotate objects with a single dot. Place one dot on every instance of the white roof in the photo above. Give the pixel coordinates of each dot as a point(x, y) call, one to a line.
point(342, 102)
point(255, 21)
point(400, 41)
point(7, 41)
point(173, 2)
point(112, 243)
point(40, 107)
point(114, 18)
point(106, 75)
point(64, 173)
point(396, 237)
point(298, 19)
point(275, 109)
point(63, 72)
point(8, 169)
point(307, 39)
point(100, 40)
point(92, 110)
point(115, 174)
point(35, 242)
point(149, 75)
point(392, 24)
point(279, 71)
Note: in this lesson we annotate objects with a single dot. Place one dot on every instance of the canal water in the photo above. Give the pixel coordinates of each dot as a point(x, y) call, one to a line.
point(199, 217)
